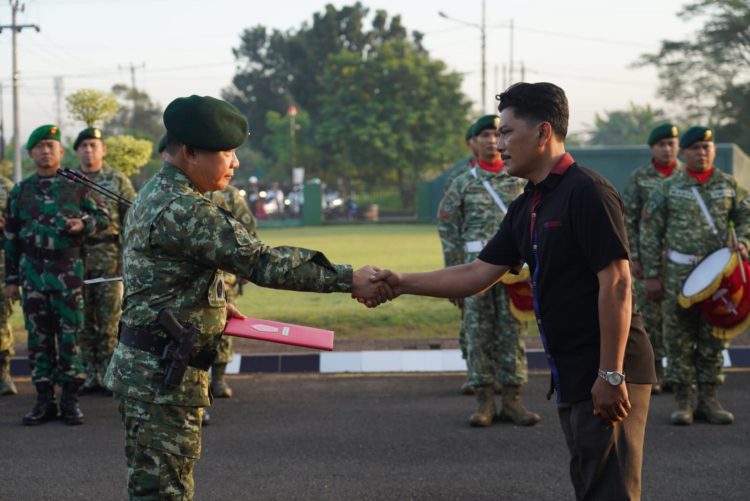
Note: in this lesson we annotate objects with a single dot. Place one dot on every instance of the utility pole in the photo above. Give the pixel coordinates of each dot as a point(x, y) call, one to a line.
point(483, 33)
point(510, 66)
point(16, 28)
point(59, 97)
point(133, 91)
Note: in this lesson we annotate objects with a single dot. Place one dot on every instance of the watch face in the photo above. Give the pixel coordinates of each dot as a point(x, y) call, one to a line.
point(614, 378)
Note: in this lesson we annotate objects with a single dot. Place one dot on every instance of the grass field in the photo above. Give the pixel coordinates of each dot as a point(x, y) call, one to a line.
point(404, 247)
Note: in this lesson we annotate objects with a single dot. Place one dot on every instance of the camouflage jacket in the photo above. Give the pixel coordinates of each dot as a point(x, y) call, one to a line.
point(467, 164)
point(232, 201)
point(35, 223)
point(5, 186)
point(673, 219)
point(99, 248)
point(468, 212)
point(176, 243)
point(641, 183)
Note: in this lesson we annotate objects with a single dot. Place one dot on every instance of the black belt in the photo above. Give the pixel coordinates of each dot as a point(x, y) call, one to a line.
point(109, 239)
point(53, 254)
point(155, 344)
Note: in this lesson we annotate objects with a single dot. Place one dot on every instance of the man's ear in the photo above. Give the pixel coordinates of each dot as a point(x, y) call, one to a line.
point(545, 133)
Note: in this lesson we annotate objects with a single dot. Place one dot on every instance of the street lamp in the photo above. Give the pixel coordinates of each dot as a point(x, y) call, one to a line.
point(484, 48)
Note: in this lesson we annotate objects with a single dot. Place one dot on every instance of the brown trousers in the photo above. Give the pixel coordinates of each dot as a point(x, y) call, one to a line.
point(605, 461)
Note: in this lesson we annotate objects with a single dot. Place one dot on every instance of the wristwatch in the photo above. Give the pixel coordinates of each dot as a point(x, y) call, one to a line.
point(612, 377)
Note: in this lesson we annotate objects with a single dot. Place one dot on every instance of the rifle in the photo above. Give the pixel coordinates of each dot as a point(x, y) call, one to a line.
point(80, 178)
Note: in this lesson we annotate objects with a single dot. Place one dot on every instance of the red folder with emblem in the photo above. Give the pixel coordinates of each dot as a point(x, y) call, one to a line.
point(280, 332)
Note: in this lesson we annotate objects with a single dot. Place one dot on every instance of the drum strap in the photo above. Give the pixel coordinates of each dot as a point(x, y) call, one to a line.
point(704, 209)
point(491, 191)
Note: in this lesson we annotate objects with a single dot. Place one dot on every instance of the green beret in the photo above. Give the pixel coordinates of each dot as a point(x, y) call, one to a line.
point(42, 133)
point(695, 134)
point(162, 144)
point(470, 132)
point(90, 133)
point(485, 122)
point(663, 131)
point(205, 123)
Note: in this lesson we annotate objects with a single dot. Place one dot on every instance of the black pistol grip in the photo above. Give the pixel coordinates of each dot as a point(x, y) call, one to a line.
point(169, 323)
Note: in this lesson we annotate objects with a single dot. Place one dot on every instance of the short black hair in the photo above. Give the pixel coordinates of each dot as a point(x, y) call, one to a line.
point(542, 101)
point(172, 145)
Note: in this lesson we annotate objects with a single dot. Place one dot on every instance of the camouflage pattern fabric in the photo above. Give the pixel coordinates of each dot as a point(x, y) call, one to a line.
point(231, 199)
point(176, 244)
point(162, 443)
point(6, 335)
point(51, 297)
point(494, 344)
point(672, 214)
point(103, 301)
point(641, 183)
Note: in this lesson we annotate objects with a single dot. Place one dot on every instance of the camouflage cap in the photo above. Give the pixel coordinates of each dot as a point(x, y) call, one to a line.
point(695, 134)
point(90, 133)
point(205, 123)
point(663, 131)
point(485, 122)
point(162, 145)
point(41, 133)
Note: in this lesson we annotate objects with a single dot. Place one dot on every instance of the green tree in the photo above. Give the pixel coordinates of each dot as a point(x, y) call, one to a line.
point(91, 106)
point(707, 73)
point(138, 116)
point(630, 126)
point(279, 143)
point(280, 68)
point(393, 114)
point(127, 153)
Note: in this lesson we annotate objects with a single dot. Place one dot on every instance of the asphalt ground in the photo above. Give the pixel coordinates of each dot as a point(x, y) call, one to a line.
point(368, 437)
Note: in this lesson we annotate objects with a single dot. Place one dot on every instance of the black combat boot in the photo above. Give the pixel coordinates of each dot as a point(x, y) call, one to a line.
point(69, 410)
point(45, 407)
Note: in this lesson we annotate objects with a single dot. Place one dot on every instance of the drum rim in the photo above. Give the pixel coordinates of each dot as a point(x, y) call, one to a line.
point(706, 292)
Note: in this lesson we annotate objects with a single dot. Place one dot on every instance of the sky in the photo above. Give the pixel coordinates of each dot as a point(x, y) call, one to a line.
point(183, 47)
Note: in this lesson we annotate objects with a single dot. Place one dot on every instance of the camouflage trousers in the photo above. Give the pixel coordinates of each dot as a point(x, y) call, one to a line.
point(652, 318)
point(224, 349)
point(103, 306)
point(6, 334)
point(693, 354)
point(53, 320)
point(162, 444)
point(495, 345)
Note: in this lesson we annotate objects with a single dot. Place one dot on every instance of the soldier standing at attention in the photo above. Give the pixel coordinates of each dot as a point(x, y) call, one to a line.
point(674, 214)
point(103, 260)
point(454, 255)
point(47, 221)
point(663, 144)
point(471, 211)
point(176, 244)
point(6, 334)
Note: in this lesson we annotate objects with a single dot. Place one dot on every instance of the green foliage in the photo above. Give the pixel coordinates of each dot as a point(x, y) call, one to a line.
point(279, 143)
point(707, 74)
point(630, 126)
point(91, 106)
point(138, 115)
point(379, 108)
point(127, 153)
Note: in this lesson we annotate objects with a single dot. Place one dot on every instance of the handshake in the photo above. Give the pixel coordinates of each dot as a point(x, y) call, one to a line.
point(373, 286)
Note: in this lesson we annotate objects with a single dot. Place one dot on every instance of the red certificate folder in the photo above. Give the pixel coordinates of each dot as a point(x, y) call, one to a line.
point(280, 332)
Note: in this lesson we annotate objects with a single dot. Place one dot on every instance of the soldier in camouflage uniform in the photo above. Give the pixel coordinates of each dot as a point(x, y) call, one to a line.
point(468, 216)
point(452, 258)
point(103, 257)
point(176, 244)
point(663, 144)
point(674, 213)
point(231, 200)
point(7, 387)
point(47, 220)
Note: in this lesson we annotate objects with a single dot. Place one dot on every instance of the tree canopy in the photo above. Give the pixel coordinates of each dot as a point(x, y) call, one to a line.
point(707, 75)
point(372, 104)
point(91, 106)
point(630, 126)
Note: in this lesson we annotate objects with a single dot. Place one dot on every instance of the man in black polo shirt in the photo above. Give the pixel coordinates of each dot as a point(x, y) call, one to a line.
point(569, 227)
